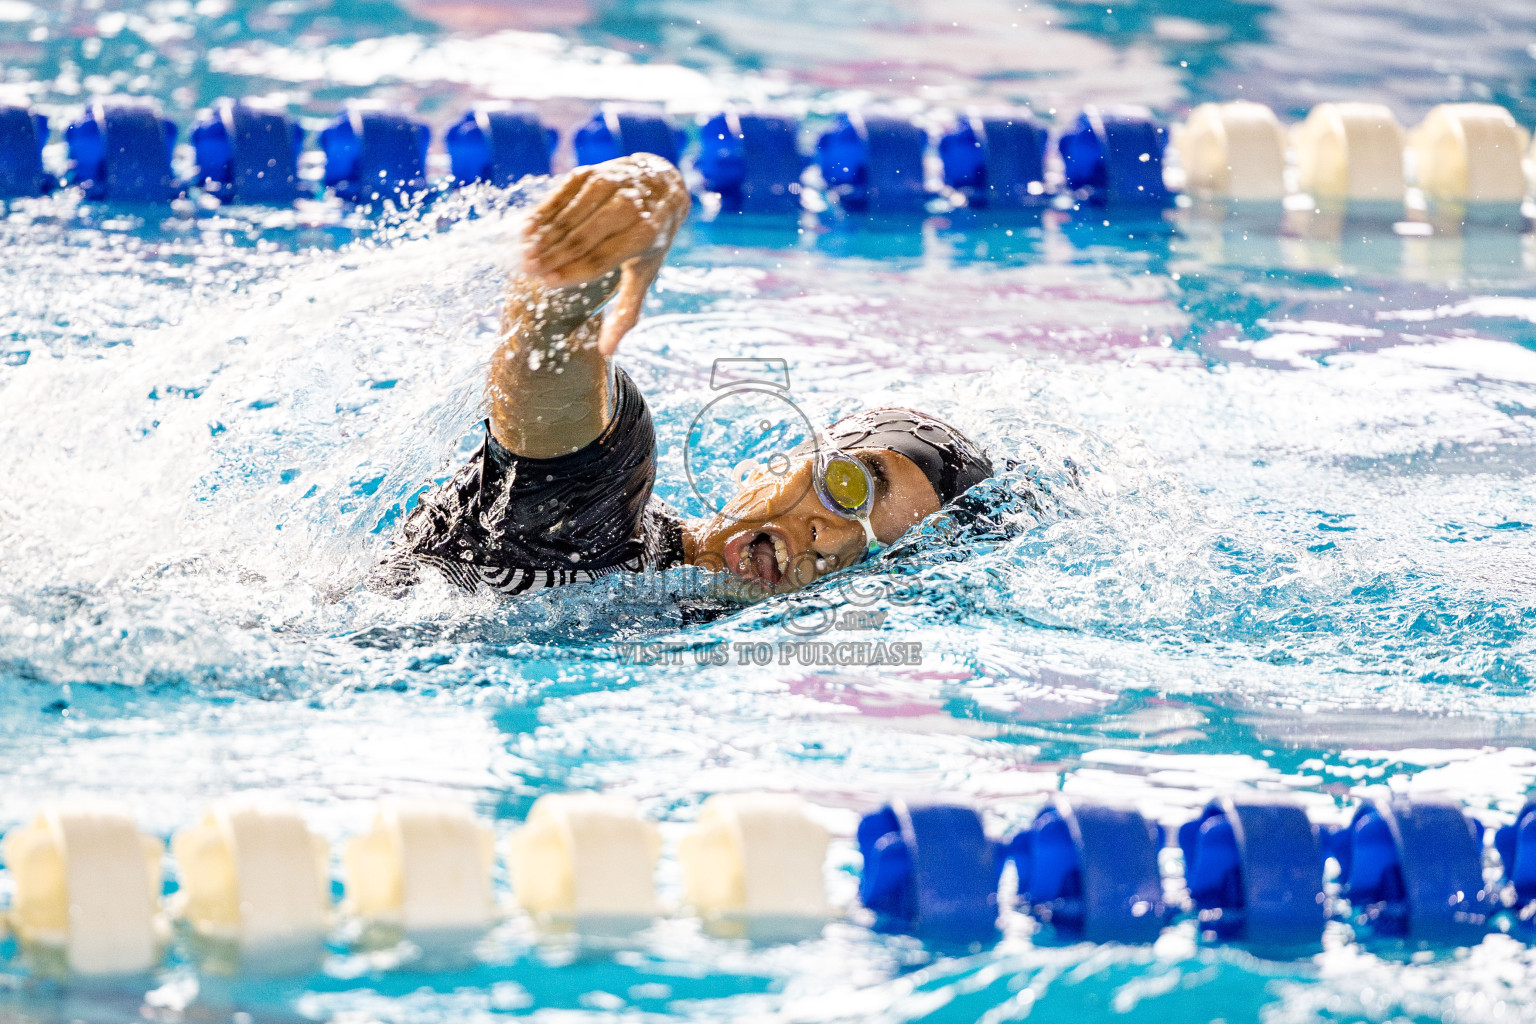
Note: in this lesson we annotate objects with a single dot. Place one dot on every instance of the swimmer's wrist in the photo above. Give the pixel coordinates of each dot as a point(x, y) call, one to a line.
point(559, 311)
point(584, 300)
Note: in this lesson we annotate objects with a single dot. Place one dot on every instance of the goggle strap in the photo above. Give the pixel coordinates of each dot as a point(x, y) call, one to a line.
point(872, 544)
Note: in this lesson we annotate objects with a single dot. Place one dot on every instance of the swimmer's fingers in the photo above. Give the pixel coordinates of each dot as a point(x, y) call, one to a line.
point(638, 239)
point(596, 236)
point(591, 197)
point(624, 312)
point(639, 219)
point(553, 203)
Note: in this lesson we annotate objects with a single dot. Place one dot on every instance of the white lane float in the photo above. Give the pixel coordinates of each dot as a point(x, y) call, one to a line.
point(1233, 151)
point(87, 884)
point(253, 874)
point(1350, 151)
point(1470, 152)
point(424, 867)
point(585, 859)
point(755, 861)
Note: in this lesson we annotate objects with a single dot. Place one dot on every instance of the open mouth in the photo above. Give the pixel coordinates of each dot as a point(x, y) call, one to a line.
point(763, 556)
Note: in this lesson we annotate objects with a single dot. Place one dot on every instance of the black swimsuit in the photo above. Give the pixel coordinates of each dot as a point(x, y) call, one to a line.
point(517, 524)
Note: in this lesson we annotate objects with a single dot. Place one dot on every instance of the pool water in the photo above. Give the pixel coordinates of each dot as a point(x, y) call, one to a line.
point(1267, 518)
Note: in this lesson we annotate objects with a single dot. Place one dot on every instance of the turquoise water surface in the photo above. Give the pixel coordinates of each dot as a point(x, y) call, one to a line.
point(1269, 522)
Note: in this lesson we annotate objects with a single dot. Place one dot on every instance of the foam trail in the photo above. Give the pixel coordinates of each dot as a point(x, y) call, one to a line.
point(242, 463)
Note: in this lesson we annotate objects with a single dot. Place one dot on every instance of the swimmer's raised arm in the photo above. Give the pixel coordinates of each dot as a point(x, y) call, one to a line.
point(606, 229)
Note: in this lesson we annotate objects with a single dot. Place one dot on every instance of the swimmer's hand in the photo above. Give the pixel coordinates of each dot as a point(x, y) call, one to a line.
point(622, 213)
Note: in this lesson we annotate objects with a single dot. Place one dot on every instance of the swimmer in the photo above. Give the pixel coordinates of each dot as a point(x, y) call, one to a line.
point(559, 491)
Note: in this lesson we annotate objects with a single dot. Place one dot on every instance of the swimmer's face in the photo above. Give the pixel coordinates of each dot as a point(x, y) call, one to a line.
point(778, 534)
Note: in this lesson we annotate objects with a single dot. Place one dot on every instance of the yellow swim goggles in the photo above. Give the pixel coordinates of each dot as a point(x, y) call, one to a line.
point(847, 488)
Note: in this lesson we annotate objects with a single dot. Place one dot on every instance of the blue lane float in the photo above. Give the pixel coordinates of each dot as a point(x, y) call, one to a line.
point(1516, 844)
point(996, 162)
point(752, 161)
point(122, 152)
point(1254, 869)
point(247, 154)
point(874, 164)
point(869, 163)
point(1414, 869)
point(610, 134)
point(1091, 872)
point(929, 870)
point(499, 145)
point(373, 155)
point(22, 137)
point(1114, 156)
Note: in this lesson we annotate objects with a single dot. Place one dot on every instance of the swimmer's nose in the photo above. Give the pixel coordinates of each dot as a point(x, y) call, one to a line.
point(832, 543)
point(773, 491)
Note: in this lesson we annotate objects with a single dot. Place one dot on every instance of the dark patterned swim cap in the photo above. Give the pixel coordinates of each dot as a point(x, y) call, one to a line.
point(951, 461)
